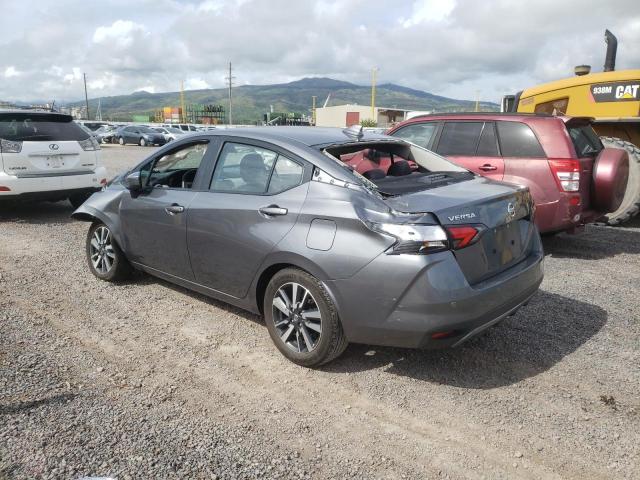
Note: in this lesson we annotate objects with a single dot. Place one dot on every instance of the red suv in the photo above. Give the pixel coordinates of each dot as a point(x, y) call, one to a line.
point(572, 177)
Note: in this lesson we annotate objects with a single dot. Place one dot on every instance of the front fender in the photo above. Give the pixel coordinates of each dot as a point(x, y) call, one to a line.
point(103, 206)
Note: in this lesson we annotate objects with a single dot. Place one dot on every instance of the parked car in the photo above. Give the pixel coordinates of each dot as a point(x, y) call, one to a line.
point(272, 220)
point(107, 134)
point(93, 134)
point(140, 135)
point(93, 126)
point(169, 133)
point(47, 156)
point(573, 179)
point(185, 127)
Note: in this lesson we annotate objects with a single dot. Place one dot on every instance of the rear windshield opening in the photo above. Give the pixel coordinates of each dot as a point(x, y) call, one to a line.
point(34, 127)
point(397, 168)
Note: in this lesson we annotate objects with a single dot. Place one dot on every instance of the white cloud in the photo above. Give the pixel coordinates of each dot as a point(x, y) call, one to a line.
point(120, 32)
point(429, 11)
point(75, 74)
point(11, 72)
point(196, 84)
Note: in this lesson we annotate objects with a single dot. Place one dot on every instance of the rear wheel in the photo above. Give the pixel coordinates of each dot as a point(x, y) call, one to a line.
point(142, 142)
point(106, 260)
point(121, 141)
point(631, 203)
point(301, 318)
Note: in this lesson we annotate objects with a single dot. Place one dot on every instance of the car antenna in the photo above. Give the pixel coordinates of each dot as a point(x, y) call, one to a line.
point(354, 131)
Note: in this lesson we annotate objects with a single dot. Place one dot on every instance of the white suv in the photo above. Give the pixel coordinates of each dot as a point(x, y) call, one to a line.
point(47, 156)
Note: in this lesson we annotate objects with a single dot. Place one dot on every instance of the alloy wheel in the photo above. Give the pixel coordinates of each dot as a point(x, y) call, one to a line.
point(297, 317)
point(101, 250)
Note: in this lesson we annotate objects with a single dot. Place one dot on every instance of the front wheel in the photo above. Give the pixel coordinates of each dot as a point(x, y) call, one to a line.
point(143, 142)
point(302, 319)
point(106, 260)
point(121, 141)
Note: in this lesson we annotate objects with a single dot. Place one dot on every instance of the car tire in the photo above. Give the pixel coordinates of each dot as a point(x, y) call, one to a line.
point(121, 141)
point(106, 260)
point(311, 333)
point(78, 199)
point(631, 203)
point(142, 142)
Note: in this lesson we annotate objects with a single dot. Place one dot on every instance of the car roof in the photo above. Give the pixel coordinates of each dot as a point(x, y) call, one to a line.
point(508, 116)
point(32, 111)
point(502, 115)
point(308, 136)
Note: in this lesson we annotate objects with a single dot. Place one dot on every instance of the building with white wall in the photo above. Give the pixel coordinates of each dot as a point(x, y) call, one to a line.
point(347, 115)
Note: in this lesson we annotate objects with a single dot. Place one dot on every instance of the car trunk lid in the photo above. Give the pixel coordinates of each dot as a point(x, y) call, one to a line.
point(502, 213)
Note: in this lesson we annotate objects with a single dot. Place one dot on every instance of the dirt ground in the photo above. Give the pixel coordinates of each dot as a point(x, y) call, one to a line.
point(147, 380)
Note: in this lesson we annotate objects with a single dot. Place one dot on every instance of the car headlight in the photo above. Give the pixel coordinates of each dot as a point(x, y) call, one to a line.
point(414, 239)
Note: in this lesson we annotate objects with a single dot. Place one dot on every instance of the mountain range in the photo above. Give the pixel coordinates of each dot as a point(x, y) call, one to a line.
point(250, 102)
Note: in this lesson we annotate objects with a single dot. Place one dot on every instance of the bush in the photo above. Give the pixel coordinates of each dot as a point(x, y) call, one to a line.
point(368, 122)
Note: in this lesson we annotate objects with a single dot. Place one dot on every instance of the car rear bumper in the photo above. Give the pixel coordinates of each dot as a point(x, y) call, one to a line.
point(561, 215)
point(53, 185)
point(416, 302)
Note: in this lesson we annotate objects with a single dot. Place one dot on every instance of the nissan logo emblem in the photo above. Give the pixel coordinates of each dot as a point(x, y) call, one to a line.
point(54, 146)
point(511, 210)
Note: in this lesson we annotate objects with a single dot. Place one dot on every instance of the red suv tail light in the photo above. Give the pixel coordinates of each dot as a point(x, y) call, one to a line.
point(461, 236)
point(567, 174)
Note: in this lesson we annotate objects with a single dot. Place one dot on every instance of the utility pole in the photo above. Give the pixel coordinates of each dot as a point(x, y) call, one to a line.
point(86, 98)
point(183, 118)
point(374, 70)
point(477, 100)
point(313, 110)
point(230, 79)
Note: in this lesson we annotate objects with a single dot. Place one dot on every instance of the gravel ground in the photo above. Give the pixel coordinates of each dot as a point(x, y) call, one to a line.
point(148, 380)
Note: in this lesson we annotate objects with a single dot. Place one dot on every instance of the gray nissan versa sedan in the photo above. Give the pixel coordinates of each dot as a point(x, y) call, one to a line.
point(274, 220)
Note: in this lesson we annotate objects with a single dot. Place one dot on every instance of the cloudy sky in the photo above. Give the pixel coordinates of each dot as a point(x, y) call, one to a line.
point(448, 47)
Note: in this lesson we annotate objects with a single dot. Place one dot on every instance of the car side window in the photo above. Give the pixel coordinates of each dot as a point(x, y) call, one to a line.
point(176, 169)
point(518, 140)
point(418, 133)
point(488, 144)
point(459, 138)
point(286, 174)
point(243, 169)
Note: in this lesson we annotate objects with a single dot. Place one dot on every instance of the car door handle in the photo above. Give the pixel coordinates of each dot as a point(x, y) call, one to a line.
point(487, 167)
point(174, 208)
point(273, 210)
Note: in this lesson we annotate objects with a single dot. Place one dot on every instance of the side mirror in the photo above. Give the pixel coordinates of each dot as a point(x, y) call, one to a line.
point(133, 182)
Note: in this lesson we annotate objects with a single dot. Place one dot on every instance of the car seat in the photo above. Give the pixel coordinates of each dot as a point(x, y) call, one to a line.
point(188, 177)
point(253, 172)
point(399, 168)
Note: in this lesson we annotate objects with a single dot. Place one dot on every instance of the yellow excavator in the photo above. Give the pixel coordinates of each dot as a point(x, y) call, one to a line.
point(611, 98)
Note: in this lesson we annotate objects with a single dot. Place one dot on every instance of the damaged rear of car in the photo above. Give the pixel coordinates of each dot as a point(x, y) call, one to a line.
point(465, 253)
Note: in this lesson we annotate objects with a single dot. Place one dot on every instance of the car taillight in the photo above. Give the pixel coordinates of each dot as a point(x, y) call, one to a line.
point(461, 236)
point(9, 146)
point(413, 239)
point(567, 174)
point(89, 145)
